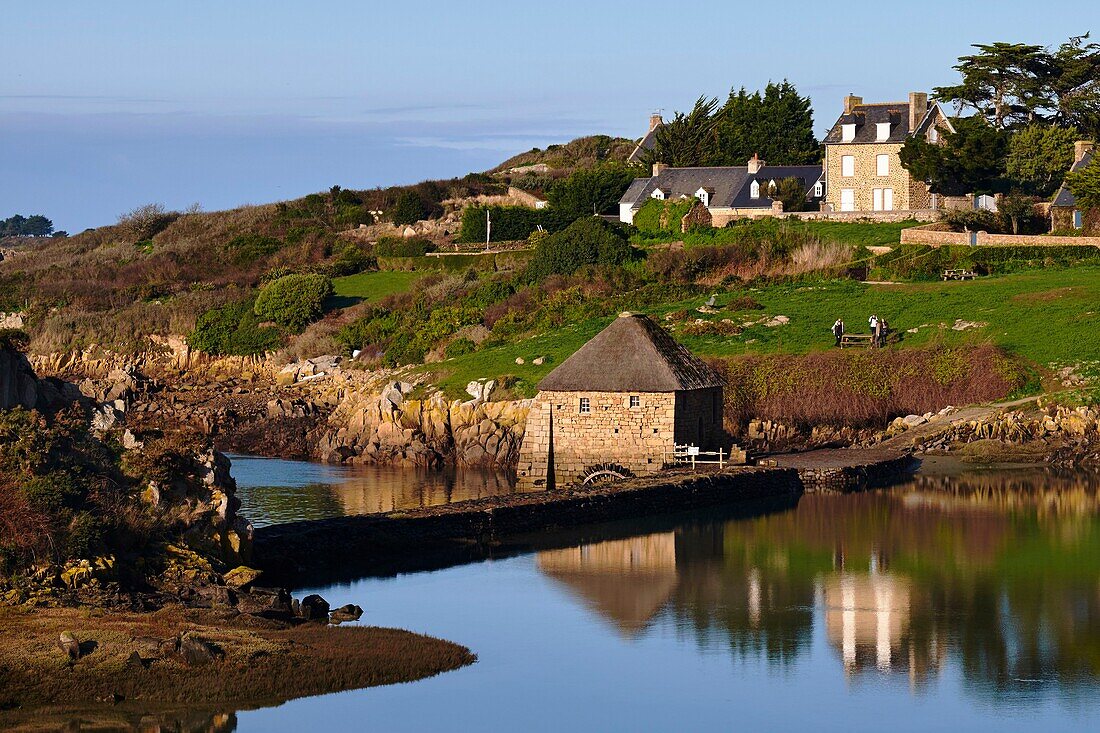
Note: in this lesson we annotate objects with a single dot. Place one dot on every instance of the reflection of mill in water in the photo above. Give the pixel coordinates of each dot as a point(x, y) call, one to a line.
point(626, 581)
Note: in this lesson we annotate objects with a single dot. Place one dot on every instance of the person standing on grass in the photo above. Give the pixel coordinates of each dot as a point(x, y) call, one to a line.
point(838, 330)
point(883, 327)
point(873, 323)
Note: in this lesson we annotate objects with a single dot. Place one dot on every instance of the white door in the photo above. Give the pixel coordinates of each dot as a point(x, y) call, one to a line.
point(888, 199)
point(876, 195)
point(847, 199)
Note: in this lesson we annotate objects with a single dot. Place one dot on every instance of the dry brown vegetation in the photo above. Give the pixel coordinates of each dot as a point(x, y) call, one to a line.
point(265, 662)
point(862, 388)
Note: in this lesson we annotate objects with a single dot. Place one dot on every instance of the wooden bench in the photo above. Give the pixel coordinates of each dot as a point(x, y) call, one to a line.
point(959, 275)
point(849, 340)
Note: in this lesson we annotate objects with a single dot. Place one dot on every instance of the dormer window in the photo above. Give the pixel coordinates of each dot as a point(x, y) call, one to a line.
point(771, 187)
point(703, 195)
point(658, 194)
point(933, 136)
point(847, 133)
point(754, 190)
point(819, 190)
point(882, 131)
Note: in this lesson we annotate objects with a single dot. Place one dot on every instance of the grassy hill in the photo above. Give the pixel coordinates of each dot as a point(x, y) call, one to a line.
point(584, 152)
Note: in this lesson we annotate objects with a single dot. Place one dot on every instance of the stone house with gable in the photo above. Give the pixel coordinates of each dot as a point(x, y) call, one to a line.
point(648, 140)
point(726, 192)
point(862, 169)
point(619, 405)
point(1065, 214)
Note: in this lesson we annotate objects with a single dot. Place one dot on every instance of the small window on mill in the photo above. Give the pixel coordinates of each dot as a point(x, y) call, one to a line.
point(635, 401)
point(586, 406)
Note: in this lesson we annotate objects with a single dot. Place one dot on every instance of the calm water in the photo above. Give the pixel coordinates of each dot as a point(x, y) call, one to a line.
point(954, 602)
point(274, 491)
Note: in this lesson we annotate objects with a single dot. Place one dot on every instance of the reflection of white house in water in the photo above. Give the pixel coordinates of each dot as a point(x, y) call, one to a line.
point(625, 581)
point(867, 617)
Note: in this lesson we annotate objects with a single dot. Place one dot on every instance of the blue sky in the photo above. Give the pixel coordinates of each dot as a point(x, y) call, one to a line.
point(106, 106)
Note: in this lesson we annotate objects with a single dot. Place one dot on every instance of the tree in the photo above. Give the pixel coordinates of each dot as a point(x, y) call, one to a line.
point(689, 139)
point(408, 209)
point(1016, 84)
point(1017, 208)
point(1084, 184)
point(969, 160)
point(590, 191)
point(146, 221)
point(1039, 156)
point(790, 191)
point(778, 125)
point(26, 226)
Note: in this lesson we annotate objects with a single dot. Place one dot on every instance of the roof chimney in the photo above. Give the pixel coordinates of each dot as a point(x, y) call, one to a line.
point(655, 121)
point(1081, 148)
point(755, 164)
point(918, 108)
point(851, 102)
point(658, 168)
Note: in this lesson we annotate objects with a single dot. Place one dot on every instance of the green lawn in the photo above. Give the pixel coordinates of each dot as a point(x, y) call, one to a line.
point(1049, 317)
point(371, 286)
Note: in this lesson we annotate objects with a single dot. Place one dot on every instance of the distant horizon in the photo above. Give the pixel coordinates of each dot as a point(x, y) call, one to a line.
point(226, 106)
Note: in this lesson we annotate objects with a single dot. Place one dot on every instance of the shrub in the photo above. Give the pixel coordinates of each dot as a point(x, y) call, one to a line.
point(402, 247)
point(459, 347)
point(294, 301)
point(145, 222)
point(662, 217)
point(233, 330)
point(974, 220)
point(247, 248)
point(509, 222)
point(588, 241)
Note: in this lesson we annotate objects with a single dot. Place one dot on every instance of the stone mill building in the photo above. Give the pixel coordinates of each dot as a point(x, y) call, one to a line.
point(618, 405)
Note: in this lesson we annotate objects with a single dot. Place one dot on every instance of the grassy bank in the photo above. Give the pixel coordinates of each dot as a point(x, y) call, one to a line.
point(265, 663)
point(1048, 317)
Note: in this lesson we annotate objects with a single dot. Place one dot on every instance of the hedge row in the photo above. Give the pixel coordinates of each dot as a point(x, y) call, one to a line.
point(495, 262)
point(509, 222)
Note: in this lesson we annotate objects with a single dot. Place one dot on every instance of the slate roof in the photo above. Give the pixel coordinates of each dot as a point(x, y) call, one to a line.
point(644, 146)
point(633, 354)
point(1064, 197)
point(866, 118)
point(729, 187)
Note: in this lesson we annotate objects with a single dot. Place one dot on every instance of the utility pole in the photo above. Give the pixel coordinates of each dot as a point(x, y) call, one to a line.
point(488, 228)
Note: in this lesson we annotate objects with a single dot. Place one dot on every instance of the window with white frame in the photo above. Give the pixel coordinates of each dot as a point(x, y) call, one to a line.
point(586, 406)
point(847, 165)
point(635, 401)
point(658, 194)
point(882, 131)
point(754, 190)
point(933, 136)
point(1078, 220)
point(882, 199)
point(819, 190)
point(847, 133)
point(882, 164)
point(703, 196)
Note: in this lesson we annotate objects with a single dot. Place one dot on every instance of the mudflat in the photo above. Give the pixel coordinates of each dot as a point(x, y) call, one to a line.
point(128, 663)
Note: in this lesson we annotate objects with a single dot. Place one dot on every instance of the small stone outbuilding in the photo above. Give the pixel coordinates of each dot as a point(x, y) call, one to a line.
point(620, 404)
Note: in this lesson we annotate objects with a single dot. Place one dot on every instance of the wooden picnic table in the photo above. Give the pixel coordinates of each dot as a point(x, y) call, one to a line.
point(959, 275)
point(856, 339)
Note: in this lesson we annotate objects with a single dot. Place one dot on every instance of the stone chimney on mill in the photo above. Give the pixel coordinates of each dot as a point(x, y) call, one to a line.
point(851, 102)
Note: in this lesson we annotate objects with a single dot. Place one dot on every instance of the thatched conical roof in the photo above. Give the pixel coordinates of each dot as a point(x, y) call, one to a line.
point(633, 354)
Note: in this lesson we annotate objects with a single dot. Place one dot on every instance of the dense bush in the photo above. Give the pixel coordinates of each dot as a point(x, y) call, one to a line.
point(233, 330)
point(402, 247)
point(588, 241)
point(590, 191)
point(247, 248)
point(409, 209)
point(974, 220)
point(14, 339)
point(662, 217)
point(294, 301)
point(862, 388)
